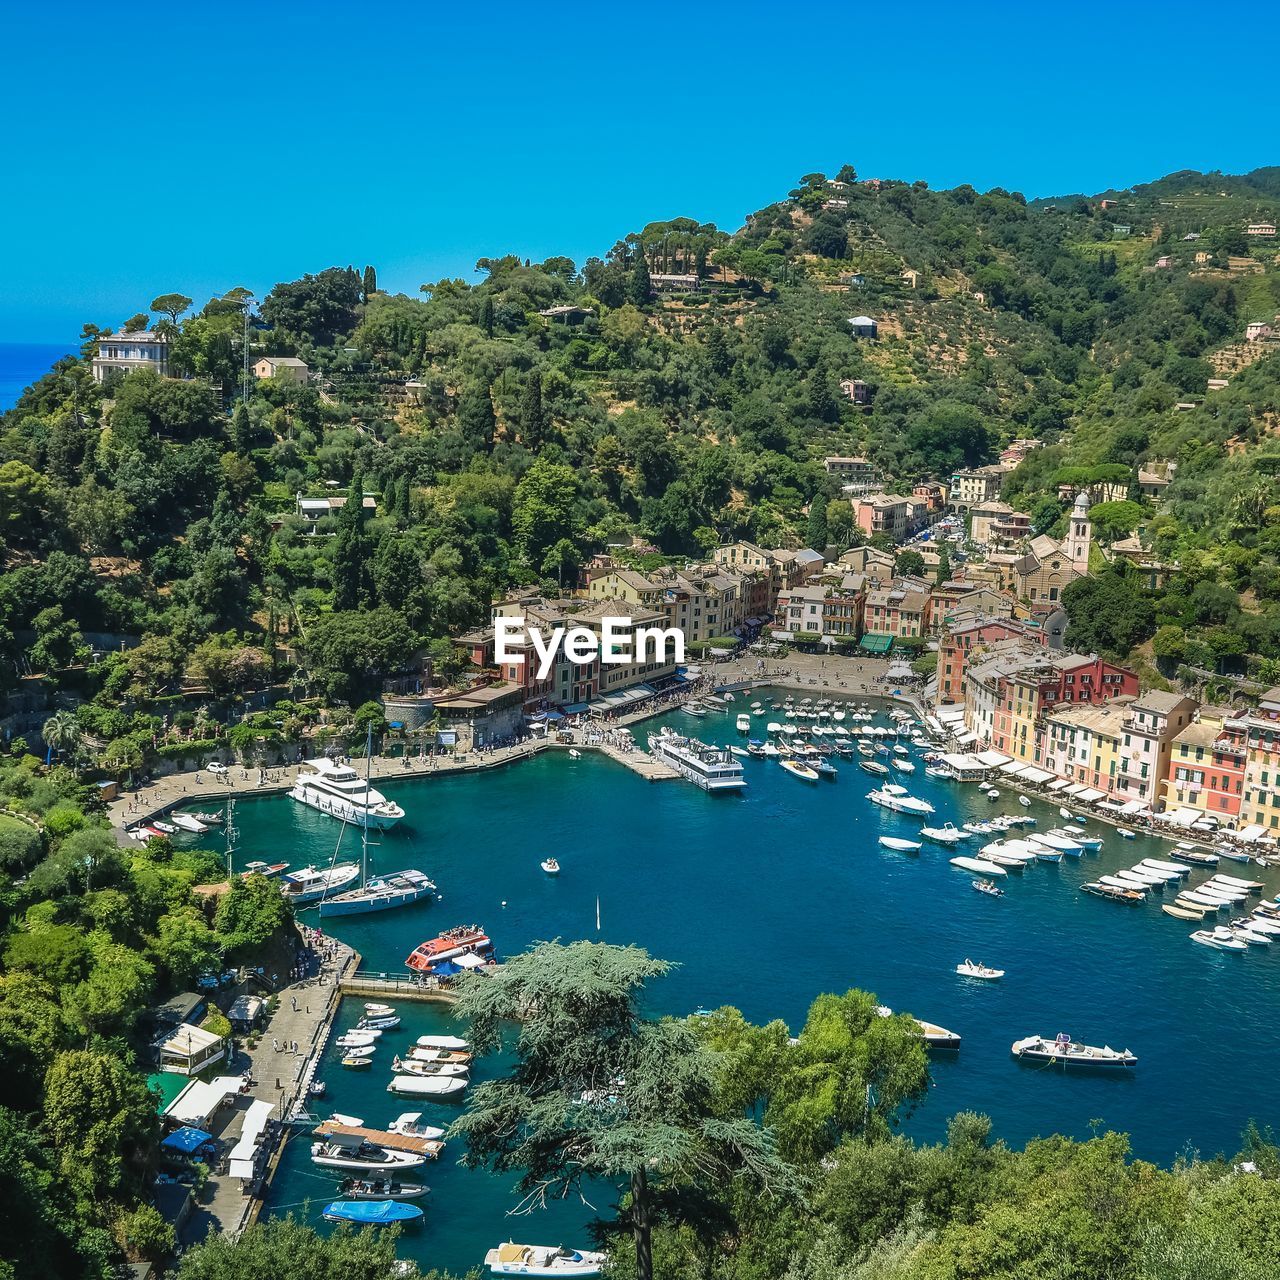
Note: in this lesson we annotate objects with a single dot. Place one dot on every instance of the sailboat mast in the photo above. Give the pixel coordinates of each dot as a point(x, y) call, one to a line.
point(364, 826)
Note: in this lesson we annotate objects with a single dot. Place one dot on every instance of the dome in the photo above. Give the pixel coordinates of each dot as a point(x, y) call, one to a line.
point(1082, 504)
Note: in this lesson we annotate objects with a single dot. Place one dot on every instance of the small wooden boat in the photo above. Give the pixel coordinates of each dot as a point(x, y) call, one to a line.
point(355, 1063)
point(1179, 912)
point(377, 1010)
point(1125, 833)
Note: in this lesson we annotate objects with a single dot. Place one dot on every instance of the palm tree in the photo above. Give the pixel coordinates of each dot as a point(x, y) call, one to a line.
point(61, 733)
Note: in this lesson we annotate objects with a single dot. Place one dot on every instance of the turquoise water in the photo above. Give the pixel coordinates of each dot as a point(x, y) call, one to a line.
point(767, 899)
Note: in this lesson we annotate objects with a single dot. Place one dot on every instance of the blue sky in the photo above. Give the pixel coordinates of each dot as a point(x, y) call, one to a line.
point(195, 147)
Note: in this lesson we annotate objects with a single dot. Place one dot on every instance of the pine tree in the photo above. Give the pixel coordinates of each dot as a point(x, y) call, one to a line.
point(532, 419)
point(370, 282)
point(641, 286)
point(486, 315)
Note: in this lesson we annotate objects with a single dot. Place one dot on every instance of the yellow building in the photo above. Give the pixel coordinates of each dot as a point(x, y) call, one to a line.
point(1084, 743)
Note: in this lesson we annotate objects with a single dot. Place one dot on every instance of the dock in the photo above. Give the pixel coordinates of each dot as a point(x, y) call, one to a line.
point(640, 762)
point(402, 988)
point(331, 1130)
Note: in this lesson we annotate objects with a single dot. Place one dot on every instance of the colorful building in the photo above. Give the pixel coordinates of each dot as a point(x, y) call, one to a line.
point(1207, 765)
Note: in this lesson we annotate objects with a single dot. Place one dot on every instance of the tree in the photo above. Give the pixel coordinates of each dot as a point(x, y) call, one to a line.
point(476, 418)
point(171, 304)
point(944, 564)
point(640, 287)
point(283, 1249)
point(563, 560)
point(486, 315)
point(349, 653)
point(241, 432)
point(817, 534)
point(369, 283)
point(909, 563)
point(351, 570)
point(61, 733)
point(250, 914)
point(599, 1091)
point(20, 846)
point(101, 1121)
point(532, 420)
point(544, 508)
point(186, 946)
point(1108, 612)
point(1169, 644)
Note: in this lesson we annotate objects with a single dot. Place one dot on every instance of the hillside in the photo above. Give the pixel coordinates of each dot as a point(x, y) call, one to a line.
point(510, 428)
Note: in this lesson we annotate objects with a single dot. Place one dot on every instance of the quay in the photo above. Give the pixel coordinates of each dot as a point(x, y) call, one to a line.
point(380, 1137)
point(637, 761)
point(381, 984)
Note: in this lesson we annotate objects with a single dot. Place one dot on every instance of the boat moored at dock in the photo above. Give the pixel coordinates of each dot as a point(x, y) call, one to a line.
point(710, 768)
point(338, 790)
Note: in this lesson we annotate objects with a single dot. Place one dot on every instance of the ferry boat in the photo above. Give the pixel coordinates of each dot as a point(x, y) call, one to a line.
point(452, 942)
point(897, 799)
point(313, 883)
point(710, 768)
point(338, 790)
point(1064, 1052)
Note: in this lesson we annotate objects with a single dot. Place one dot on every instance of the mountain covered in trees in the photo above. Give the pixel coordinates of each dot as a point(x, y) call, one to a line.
point(678, 391)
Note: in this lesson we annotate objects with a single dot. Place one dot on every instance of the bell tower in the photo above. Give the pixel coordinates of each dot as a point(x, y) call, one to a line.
point(1079, 535)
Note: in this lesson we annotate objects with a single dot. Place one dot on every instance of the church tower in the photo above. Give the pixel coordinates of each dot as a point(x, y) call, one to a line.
point(1079, 535)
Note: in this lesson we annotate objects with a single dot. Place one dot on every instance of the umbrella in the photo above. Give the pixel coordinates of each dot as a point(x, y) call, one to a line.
point(187, 1139)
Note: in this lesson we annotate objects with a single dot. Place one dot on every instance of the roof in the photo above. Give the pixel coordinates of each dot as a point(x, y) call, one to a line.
point(876, 643)
point(861, 320)
point(1159, 701)
point(288, 362)
point(188, 1039)
point(808, 556)
point(178, 1009)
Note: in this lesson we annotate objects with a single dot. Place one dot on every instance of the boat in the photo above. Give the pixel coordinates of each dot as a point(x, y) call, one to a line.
point(934, 771)
point(799, 770)
point(338, 790)
point(381, 1189)
point(1260, 924)
point(380, 893)
point(1116, 883)
point(438, 1055)
point(575, 754)
point(1221, 892)
point(442, 1042)
point(1220, 938)
point(935, 1037)
point(542, 1260)
point(1234, 882)
point(354, 1059)
point(311, 884)
point(1066, 813)
point(743, 723)
point(550, 866)
point(1083, 839)
point(694, 709)
point(1008, 852)
point(980, 866)
point(1252, 936)
point(189, 822)
point(896, 798)
point(1055, 840)
point(267, 869)
point(409, 1124)
point(1024, 802)
point(378, 1022)
point(442, 1070)
point(904, 766)
point(714, 699)
point(164, 828)
point(947, 834)
point(1062, 1051)
point(1114, 893)
point(1178, 868)
point(1140, 879)
point(376, 1010)
point(741, 752)
point(875, 767)
point(825, 770)
point(1183, 913)
point(1125, 833)
point(992, 793)
point(1234, 855)
point(1194, 898)
point(710, 768)
point(363, 1155)
point(985, 886)
point(1195, 857)
point(426, 1086)
point(357, 1039)
point(453, 942)
point(372, 1213)
point(970, 969)
point(209, 819)
point(901, 846)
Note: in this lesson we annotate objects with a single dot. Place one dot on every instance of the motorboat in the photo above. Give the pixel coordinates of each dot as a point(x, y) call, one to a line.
point(164, 828)
point(947, 834)
point(372, 1213)
point(709, 768)
point(380, 893)
point(1234, 855)
point(1154, 873)
point(339, 790)
point(874, 767)
point(904, 766)
point(1024, 802)
point(360, 1051)
point(1221, 938)
point(980, 866)
point(378, 1022)
point(355, 1059)
point(1116, 883)
point(311, 884)
point(1192, 897)
point(1115, 893)
point(357, 1039)
point(1082, 838)
point(1252, 936)
point(1178, 868)
point(1066, 813)
point(694, 709)
point(897, 799)
point(409, 1124)
point(1196, 857)
point(1125, 834)
point(189, 822)
point(574, 753)
point(542, 1260)
point(1007, 852)
point(1221, 891)
point(1140, 880)
point(1234, 882)
point(934, 771)
point(1261, 924)
point(900, 846)
point(1179, 912)
point(426, 1086)
point(824, 769)
point(971, 969)
point(935, 1037)
point(1045, 854)
point(1064, 1052)
point(992, 793)
point(363, 1155)
point(798, 769)
point(1056, 840)
point(209, 819)
point(443, 1042)
point(375, 1010)
point(741, 752)
point(382, 1189)
point(438, 1055)
point(743, 723)
point(443, 1070)
point(453, 942)
point(550, 866)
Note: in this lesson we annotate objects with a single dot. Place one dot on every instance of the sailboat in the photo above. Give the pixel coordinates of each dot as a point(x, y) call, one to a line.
point(376, 893)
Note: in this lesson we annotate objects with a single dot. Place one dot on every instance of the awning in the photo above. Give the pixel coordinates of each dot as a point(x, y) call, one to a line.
point(1012, 768)
point(1074, 789)
point(1183, 817)
point(1033, 774)
point(1089, 795)
point(948, 714)
point(468, 961)
point(1251, 834)
point(188, 1139)
point(1135, 806)
point(244, 1153)
point(200, 1099)
point(899, 671)
point(875, 644)
point(1058, 783)
point(966, 737)
point(576, 708)
point(992, 759)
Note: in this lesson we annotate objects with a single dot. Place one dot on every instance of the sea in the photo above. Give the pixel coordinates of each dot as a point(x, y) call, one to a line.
point(764, 900)
point(22, 363)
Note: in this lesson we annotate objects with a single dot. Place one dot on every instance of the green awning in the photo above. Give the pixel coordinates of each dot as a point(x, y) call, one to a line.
point(876, 643)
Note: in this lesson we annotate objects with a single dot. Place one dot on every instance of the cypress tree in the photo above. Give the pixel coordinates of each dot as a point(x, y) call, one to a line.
point(641, 286)
point(944, 565)
point(403, 513)
point(370, 282)
point(816, 535)
point(241, 429)
point(486, 315)
point(532, 419)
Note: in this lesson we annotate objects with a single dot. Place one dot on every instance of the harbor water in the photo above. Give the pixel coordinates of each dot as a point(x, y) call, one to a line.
point(769, 897)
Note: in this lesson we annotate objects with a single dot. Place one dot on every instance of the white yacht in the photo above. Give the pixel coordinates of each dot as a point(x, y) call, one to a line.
point(311, 884)
point(711, 768)
point(897, 799)
point(338, 790)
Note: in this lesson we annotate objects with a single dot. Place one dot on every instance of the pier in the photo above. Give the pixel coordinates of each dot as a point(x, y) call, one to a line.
point(382, 984)
point(638, 761)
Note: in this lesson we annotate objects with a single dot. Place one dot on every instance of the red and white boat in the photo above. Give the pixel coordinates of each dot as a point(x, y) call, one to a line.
point(449, 945)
